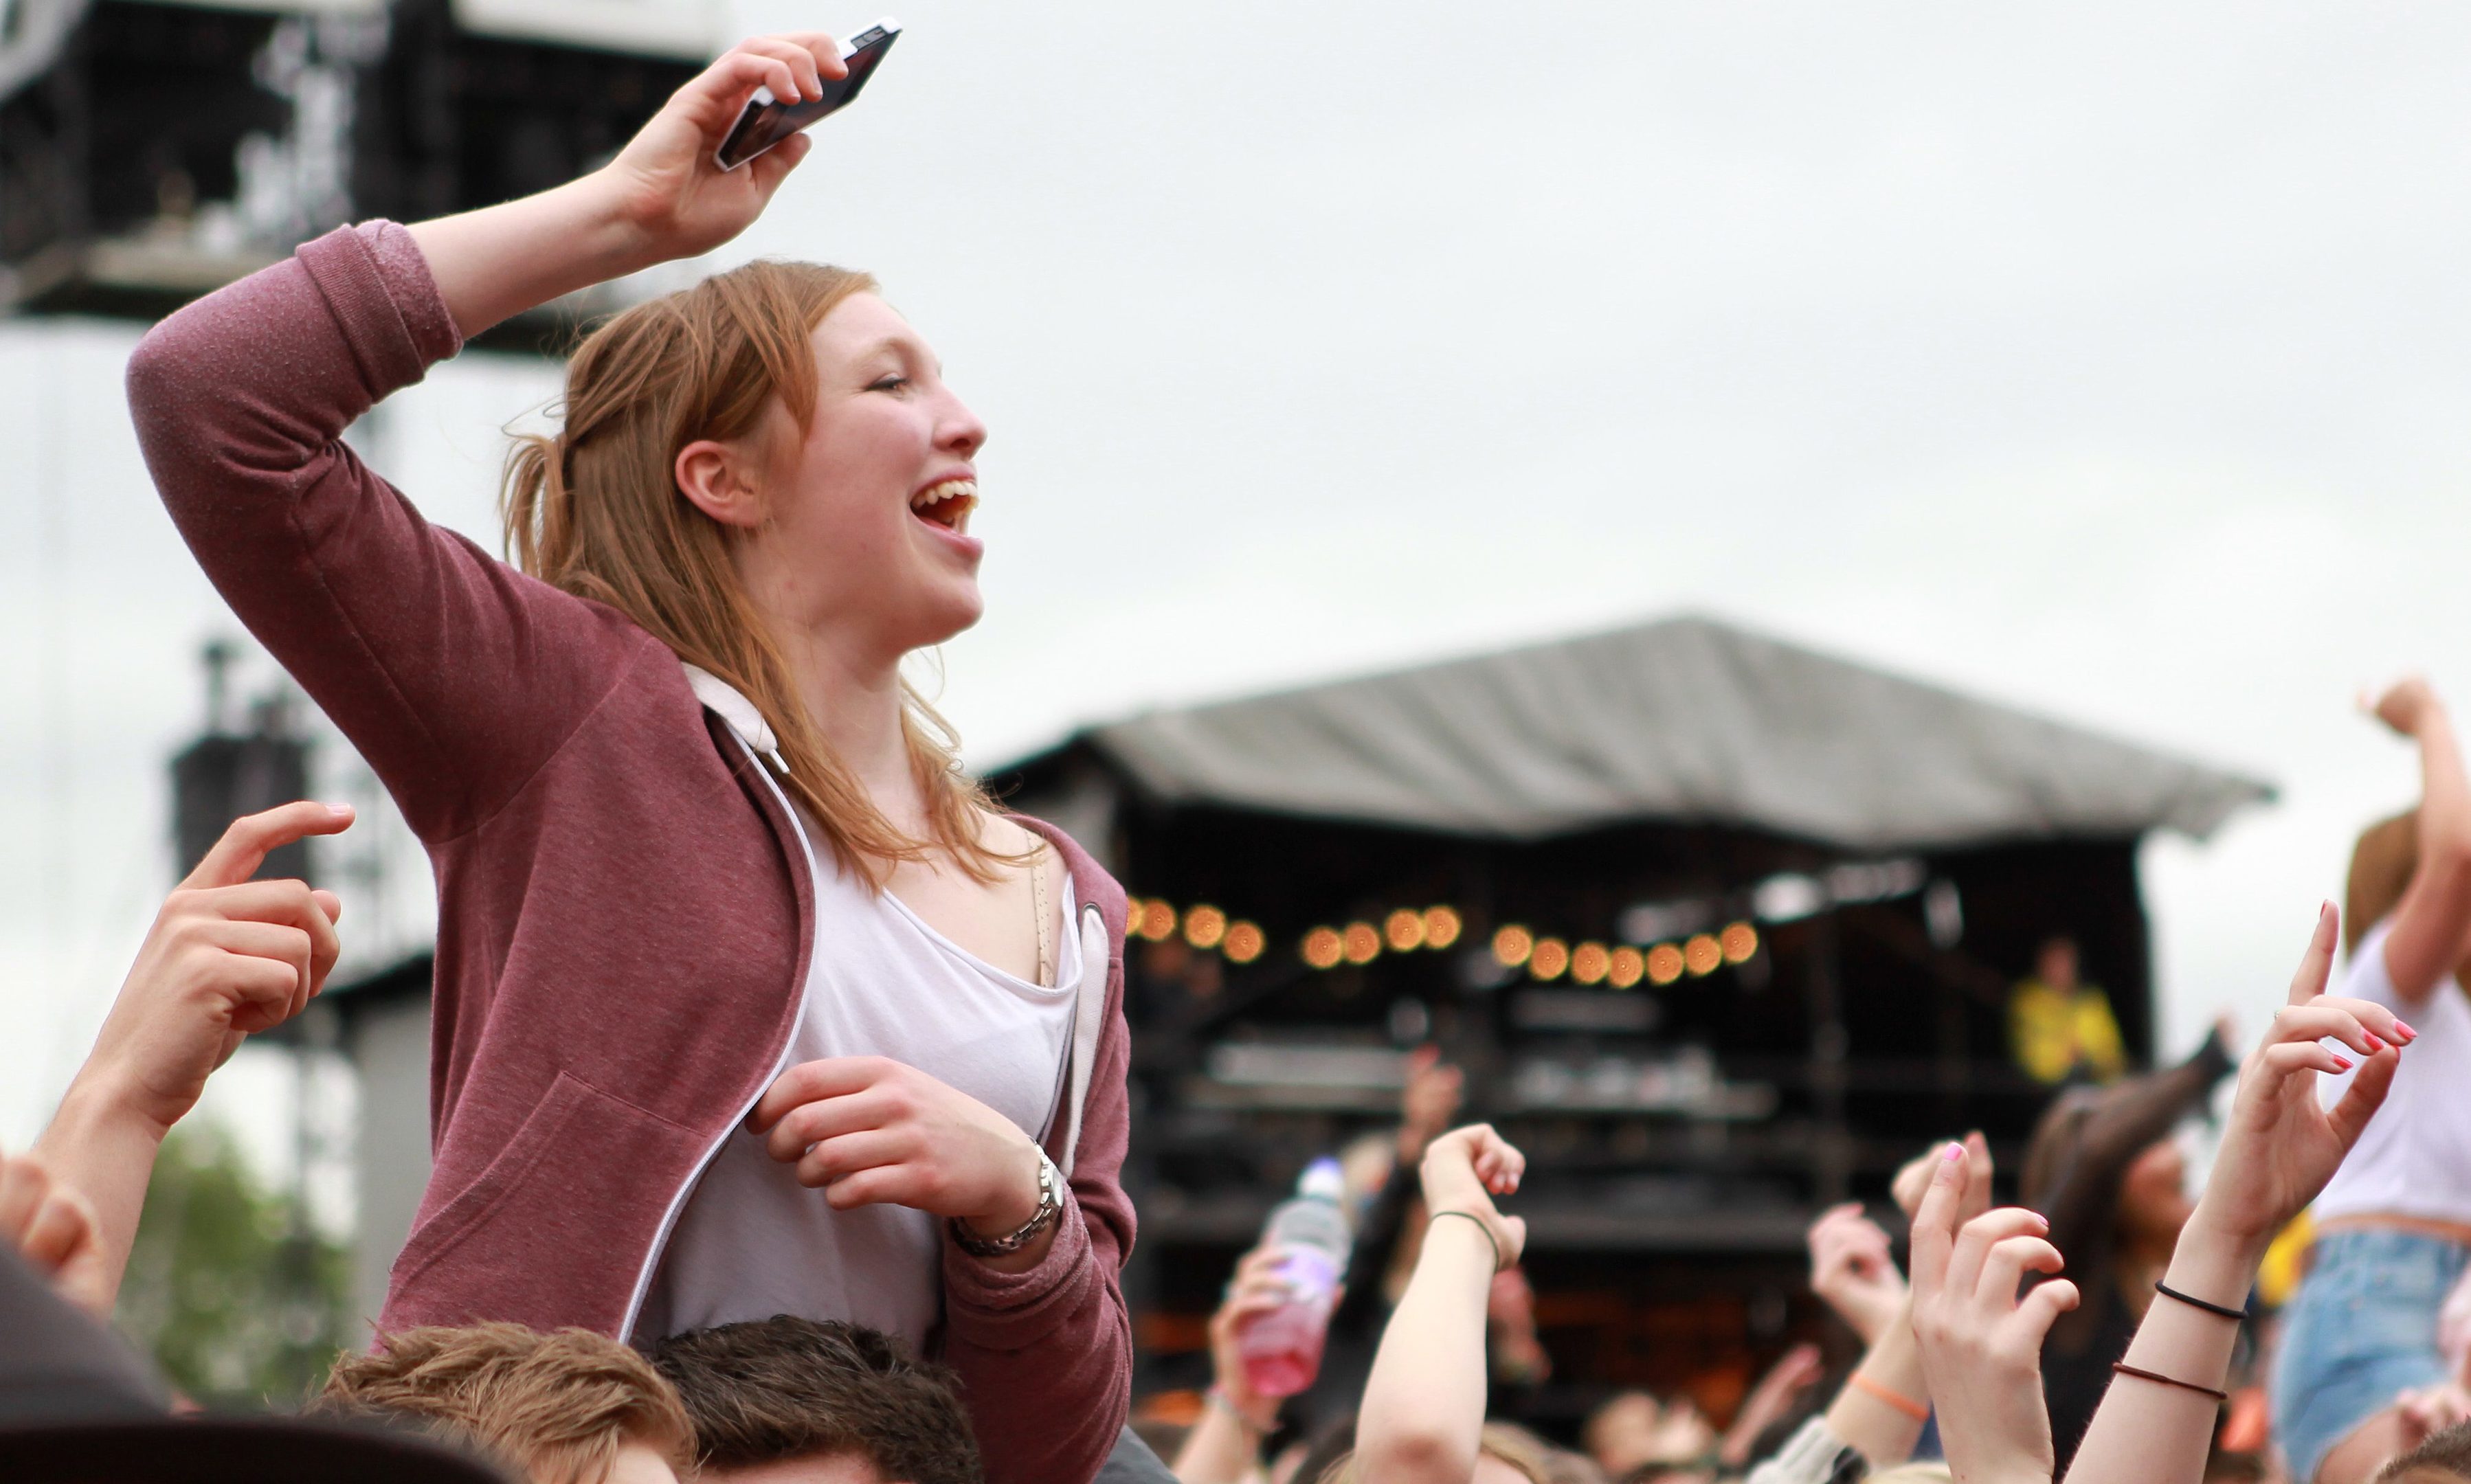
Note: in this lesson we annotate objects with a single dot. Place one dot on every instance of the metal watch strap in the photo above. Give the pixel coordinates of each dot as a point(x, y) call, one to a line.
point(1050, 1204)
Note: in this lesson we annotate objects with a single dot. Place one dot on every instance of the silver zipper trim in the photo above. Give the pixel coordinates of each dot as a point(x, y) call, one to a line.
point(677, 1202)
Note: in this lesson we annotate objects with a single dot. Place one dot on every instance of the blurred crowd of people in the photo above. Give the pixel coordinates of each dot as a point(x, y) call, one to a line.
point(2107, 1327)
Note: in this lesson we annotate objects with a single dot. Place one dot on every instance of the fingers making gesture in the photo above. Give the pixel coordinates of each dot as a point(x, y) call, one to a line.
point(1424, 1403)
point(1982, 1345)
point(227, 958)
point(2281, 1143)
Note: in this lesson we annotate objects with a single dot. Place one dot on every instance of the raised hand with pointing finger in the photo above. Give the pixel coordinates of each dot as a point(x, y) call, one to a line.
point(2280, 1145)
point(227, 958)
point(1982, 1345)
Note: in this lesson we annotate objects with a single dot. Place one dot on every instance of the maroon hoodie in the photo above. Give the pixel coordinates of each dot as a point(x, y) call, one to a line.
point(624, 913)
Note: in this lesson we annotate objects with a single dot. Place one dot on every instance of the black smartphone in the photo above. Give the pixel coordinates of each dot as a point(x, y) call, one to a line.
point(765, 122)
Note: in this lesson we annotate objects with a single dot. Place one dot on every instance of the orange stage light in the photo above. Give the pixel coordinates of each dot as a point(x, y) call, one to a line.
point(1740, 941)
point(1362, 943)
point(1244, 942)
point(1322, 948)
point(1205, 927)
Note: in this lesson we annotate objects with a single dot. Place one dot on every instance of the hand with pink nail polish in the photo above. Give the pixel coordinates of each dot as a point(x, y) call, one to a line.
point(2281, 1143)
point(1980, 1341)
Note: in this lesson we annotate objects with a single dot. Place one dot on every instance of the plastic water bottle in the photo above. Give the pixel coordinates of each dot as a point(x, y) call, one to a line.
point(1281, 1348)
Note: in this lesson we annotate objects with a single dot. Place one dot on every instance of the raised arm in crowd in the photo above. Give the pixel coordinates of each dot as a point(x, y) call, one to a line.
point(1981, 1344)
point(226, 958)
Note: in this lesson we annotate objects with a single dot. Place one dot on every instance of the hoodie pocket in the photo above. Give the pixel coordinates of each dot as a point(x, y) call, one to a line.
point(543, 1236)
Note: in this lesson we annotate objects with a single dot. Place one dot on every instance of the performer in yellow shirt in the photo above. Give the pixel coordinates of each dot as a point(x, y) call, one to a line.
point(2060, 1027)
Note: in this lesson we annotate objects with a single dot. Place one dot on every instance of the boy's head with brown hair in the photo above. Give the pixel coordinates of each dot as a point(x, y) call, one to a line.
point(2441, 1458)
point(566, 1407)
point(789, 1401)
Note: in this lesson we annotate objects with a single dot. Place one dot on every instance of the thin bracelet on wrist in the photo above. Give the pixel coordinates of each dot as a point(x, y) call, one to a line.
point(1217, 1396)
point(1490, 1240)
point(2123, 1368)
point(1890, 1397)
point(2223, 1309)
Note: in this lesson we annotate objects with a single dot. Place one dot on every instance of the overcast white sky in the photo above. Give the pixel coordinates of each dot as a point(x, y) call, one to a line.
point(2111, 362)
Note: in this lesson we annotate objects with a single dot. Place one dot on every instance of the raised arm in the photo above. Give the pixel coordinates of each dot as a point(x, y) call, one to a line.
point(227, 958)
point(662, 199)
point(1854, 1272)
point(1981, 1344)
point(2279, 1148)
point(1225, 1446)
point(1886, 1401)
point(1423, 1418)
point(2432, 923)
point(454, 676)
point(1426, 1105)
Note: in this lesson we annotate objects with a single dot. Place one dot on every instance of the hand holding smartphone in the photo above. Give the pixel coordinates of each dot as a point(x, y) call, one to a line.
point(767, 121)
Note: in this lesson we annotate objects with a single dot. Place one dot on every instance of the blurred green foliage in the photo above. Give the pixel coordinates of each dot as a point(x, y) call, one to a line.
point(230, 1286)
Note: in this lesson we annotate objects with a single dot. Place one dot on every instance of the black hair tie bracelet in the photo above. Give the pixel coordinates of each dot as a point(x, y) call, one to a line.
point(2169, 1292)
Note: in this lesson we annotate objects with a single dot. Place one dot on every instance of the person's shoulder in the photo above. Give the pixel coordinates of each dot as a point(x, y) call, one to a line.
point(1005, 835)
point(2365, 977)
point(1091, 881)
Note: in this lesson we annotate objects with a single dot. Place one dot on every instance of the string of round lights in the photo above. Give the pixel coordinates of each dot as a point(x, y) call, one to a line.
point(1622, 965)
point(1407, 931)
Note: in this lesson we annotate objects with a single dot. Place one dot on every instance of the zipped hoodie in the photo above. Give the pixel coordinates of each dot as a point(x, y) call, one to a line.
point(624, 913)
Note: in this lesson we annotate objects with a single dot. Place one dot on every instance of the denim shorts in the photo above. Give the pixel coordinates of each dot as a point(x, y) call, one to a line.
point(2362, 1328)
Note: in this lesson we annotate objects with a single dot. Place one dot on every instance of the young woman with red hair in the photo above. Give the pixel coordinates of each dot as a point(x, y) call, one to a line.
point(747, 1002)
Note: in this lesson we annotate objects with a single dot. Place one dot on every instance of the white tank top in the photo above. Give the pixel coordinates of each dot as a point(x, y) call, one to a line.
point(752, 1243)
point(2415, 1158)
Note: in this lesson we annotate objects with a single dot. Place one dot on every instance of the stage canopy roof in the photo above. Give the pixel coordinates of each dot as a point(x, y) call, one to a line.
point(1688, 719)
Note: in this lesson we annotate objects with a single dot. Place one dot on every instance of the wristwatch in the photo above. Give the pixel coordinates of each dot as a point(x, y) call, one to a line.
point(1051, 1206)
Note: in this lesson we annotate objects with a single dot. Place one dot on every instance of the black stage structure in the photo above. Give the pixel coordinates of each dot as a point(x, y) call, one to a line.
point(1758, 913)
point(152, 150)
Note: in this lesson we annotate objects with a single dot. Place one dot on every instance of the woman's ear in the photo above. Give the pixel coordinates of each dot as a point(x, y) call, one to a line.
point(720, 481)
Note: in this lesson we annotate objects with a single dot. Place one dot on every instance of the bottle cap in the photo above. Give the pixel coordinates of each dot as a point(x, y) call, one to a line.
point(1323, 1181)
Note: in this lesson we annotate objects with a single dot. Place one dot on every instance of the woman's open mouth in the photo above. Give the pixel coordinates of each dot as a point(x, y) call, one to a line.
point(946, 504)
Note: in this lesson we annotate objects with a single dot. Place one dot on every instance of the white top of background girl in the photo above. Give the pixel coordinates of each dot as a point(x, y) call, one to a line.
point(2415, 1158)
